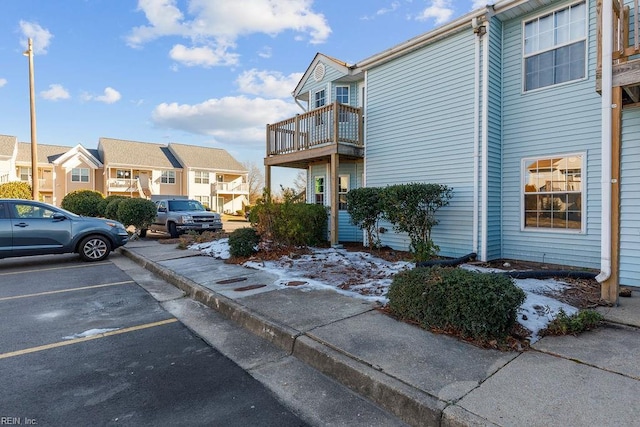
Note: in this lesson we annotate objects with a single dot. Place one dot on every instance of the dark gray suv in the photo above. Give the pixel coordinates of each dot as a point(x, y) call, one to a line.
point(35, 228)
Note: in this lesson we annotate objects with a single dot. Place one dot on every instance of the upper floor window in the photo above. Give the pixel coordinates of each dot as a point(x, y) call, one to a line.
point(555, 47)
point(553, 193)
point(342, 94)
point(201, 177)
point(319, 99)
point(80, 175)
point(25, 174)
point(168, 177)
point(123, 173)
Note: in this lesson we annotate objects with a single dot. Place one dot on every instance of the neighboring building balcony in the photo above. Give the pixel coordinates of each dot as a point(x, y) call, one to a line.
point(229, 188)
point(314, 135)
point(626, 50)
point(123, 185)
point(4, 176)
point(45, 184)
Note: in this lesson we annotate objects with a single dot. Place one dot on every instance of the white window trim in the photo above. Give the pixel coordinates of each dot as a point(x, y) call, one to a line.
point(586, 47)
point(165, 174)
point(348, 93)
point(583, 211)
point(348, 177)
point(324, 189)
point(201, 174)
point(80, 175)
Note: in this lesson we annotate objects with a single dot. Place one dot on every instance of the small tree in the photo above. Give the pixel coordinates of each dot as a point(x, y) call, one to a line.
point(83, 202)
point(102, 206)
point(411, 208)
point(365, 209)
point(16, 190)
point(139, 213)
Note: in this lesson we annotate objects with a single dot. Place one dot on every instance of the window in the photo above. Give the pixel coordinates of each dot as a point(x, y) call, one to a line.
point(201, 177)
point(25, 174)
point(319, 101)
point(343, 189)
point(555, 47)
point(168, 177)
point(342, 96)
point(319, 190)
point(80, 175)
point(28, 211)
point(553, 193)
point(204, 200)
point(122, 174)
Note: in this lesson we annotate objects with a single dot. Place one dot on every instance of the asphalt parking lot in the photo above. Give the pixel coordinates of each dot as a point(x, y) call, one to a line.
point(84, 344)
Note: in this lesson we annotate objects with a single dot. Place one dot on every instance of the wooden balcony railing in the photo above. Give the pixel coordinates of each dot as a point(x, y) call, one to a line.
point(332, 124)
point(626, 45)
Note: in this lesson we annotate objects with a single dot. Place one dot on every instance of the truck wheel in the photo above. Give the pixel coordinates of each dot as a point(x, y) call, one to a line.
point(94, 248)
point(173, 231)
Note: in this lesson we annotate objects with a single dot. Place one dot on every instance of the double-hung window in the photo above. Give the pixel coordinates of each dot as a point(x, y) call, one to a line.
point(343, 189)
point(553, 193)
point(25, 174)
point(168, 177)
point(319, 190)
point(201, 177)
point(342, 96)
point(80, 175)
point(319, 99)
point(555, 47)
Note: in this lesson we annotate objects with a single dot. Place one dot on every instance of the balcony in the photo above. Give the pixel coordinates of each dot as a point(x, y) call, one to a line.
point(123, 185)
point(316, 135)
point(626, 50)
point(229, 188)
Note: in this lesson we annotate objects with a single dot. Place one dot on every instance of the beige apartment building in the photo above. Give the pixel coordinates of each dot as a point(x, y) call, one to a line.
point(130, 168)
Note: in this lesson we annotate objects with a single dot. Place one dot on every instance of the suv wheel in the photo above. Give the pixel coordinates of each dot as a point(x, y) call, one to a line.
point(94, 248)
point(173, 231)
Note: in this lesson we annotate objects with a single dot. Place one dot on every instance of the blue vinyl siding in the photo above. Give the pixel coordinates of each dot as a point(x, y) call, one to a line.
point(630, 199)
point(420, 129)
point(549, 121)
point(494, 130)
point(330, 75)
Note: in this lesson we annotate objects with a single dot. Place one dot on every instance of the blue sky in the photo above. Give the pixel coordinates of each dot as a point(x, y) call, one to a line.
point(201, 72)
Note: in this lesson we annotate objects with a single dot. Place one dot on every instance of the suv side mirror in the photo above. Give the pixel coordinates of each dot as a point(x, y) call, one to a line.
point(162, 209)
point(58, 217)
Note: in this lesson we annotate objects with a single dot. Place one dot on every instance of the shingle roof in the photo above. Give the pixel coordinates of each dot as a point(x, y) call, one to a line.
point(7, 143)
point(46, 153)
point(193, 156)
point(136, 154)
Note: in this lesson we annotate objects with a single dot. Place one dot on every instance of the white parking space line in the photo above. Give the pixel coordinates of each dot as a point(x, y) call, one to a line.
point(67, 290)
point(35, 270)
point(83, 339)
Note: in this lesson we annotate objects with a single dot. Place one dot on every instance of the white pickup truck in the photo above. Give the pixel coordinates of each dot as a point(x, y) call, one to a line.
point(177, 216)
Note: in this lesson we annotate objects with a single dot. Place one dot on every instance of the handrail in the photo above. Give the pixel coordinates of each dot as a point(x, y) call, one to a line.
point(330, 124)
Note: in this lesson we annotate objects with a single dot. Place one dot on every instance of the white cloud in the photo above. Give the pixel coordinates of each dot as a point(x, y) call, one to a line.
point(271, 84)
point(110, 96)
point(477, 4)
point(265, 52)
point(236, 120)
point(383, 11)
point(202, 56)
point(217, 24)
point(41, 37)
point(440, 10)
point(55, 93)
point(3, 82)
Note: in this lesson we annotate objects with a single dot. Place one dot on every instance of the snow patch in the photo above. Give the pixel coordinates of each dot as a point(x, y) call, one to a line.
point(89, 333)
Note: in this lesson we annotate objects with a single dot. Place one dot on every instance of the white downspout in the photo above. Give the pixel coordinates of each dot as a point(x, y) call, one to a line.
point(607, 79)
point(476, 136)
point(485, 141)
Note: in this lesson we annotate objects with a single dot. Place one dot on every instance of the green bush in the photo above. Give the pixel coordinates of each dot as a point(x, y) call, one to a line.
point(111, 211)
point(139, 213)
point(243, 241)
point(102, 206)
point(83, 202)
point(16, 190)
point(481, 306)
point(574, 324)
point(290, 223)
point(364, 206)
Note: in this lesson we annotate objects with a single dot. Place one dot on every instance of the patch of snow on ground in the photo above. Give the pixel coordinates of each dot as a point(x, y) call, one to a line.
point(362, 275)
point(89, 333)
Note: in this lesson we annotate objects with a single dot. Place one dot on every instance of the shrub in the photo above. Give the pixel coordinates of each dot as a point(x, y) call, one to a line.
point(481, 306)
point(111, 210)
point(139, 213)
point(411, 208)
point(16, 190)
point(102, 206)
point(83, 202)
point(243, 241)
point(574, 324)
point(364, 206)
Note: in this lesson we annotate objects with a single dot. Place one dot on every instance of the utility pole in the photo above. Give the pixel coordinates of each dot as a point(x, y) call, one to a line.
point(34, 145)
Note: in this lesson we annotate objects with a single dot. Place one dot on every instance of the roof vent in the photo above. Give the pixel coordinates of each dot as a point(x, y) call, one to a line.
point(318, 72)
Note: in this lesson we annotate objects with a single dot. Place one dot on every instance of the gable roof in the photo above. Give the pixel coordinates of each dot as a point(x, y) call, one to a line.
point(81, 152)
point(192, 156)
point(341, 66)
point(46, 153)
point(120, 152)
point(7, 145)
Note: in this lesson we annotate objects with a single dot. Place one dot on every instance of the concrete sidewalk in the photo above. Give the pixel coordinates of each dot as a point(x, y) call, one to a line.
point(422, 378)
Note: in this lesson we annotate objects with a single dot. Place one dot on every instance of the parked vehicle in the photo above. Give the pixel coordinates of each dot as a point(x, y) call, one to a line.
point(177, 216)
point(35, 228)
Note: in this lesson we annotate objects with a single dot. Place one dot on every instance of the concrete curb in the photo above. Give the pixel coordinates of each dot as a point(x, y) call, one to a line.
point(411, 405)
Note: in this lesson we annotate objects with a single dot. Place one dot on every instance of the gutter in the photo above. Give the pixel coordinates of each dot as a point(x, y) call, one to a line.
point(476, 135)
point(485, 142)
point(607, 78)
